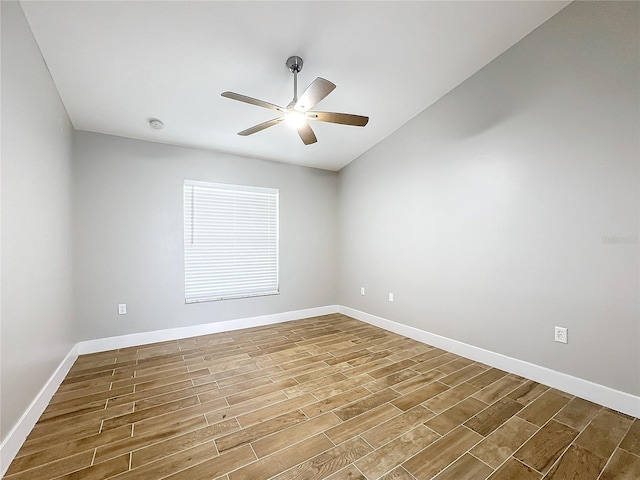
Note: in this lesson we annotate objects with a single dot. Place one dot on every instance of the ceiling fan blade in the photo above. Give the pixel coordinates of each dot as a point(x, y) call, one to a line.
point(252, 101)
point(341, 118)
point(306, 134)
point(261, 126)
point(315, 92)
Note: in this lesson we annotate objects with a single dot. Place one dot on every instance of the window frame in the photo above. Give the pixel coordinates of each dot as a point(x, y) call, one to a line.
point(271, 205)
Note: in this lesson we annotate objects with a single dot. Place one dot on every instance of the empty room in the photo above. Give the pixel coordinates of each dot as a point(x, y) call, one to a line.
point(320, 240)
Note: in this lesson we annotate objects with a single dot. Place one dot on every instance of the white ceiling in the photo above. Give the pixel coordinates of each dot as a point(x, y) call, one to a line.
point(118, 64)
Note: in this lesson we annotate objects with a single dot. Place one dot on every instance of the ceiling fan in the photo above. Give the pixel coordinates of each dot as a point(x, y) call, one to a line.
point(298, 112)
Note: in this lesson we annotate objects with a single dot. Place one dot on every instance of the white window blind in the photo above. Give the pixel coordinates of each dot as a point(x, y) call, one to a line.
point(230, 241)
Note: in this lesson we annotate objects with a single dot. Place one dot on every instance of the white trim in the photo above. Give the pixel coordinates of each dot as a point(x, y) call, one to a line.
point(609, 397)
point(123, 341)
point(16, 437)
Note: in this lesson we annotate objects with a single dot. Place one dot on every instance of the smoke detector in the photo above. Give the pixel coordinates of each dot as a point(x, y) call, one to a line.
point(156, 124)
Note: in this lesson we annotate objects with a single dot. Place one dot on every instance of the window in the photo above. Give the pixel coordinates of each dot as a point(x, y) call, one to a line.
point(230, 241)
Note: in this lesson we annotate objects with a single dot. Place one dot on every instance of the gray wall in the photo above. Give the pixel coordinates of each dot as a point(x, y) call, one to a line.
point(485, 214)
point(36, 331)
point(129, 234)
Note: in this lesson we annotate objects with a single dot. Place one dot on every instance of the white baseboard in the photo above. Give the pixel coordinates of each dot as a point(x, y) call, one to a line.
point(123, 341)
point(16, 437)
point(609, 397)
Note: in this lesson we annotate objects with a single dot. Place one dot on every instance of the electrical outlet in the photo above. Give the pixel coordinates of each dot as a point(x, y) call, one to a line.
point(390, 297)
point(362, 291)
point(561, 335)
point(122, 309)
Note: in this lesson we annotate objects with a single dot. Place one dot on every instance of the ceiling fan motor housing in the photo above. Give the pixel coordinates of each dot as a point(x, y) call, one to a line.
point(294, 64)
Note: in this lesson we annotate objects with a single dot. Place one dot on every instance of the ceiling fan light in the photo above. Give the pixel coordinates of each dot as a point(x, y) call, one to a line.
point(295, 119)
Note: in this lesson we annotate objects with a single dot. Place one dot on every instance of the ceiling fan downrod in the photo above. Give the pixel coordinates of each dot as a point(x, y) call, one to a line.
point(294, 64)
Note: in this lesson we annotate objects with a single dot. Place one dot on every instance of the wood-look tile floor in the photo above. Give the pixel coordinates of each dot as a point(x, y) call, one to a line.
point(325, 397)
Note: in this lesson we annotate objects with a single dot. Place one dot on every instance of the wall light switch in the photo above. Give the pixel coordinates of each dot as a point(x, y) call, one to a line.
point(361, 290)
point(390, 297)
point(122, 309)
